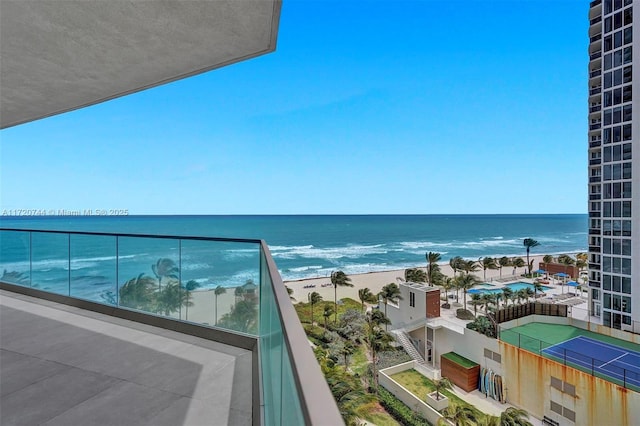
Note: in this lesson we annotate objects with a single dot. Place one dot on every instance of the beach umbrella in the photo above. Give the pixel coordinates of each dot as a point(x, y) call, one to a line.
point(539, 271)
point(561, 275)
point(573, 284)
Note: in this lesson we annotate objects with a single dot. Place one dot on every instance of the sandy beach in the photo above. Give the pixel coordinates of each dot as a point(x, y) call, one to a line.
point(204, 301)
point(376, 280)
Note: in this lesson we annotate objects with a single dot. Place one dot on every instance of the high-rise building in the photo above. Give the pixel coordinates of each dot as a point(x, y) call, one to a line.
point(614, 197)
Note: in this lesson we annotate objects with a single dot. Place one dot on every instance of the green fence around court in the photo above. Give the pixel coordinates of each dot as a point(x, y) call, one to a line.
point(580, 361)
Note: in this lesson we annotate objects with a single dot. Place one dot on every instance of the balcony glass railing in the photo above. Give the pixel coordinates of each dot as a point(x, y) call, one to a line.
point(595, 20)
point(595, 90)
point(595, 55)
point(231, 284)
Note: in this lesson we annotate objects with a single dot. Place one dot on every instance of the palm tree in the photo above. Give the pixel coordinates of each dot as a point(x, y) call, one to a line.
point(466, 282)
point(487, 263)
point(415, 275)
point(507, 293)
point(377, 318)
point(346, 351)
point(218, 291)
point(339, 278)
point(313, 299)
point(537, 287)
point(520, 295)
point(529, 243)
point(164, 267)
point(514, 417)
point(488, 299)
point(447, 284)
point(517, 262)
point(365, 295)
point(188, 288)
point(566, 260)
point(390, 292)
point(170, 299)
point(547, 259)
point(242, 317)
point(581, 261)
point(529, 292)
point(455, 263)
point(238, 293)
point(432, 265)
point(458, 414)
point(476, 299)
point(290, 292)
point(378, 341)
point(328, 311)
point(488, 420)
point(502, 262)
point(469, 266)
point(139, 293)
point(440, 385)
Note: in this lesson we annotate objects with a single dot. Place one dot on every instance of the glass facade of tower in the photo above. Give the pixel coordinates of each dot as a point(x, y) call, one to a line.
point(610, 161)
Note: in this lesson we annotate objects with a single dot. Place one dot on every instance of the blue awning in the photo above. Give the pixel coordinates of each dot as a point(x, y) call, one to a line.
point(573, 284)
point(561, 274)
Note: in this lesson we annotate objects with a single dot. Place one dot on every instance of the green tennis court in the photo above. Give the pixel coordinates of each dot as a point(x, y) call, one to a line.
point(542, 338)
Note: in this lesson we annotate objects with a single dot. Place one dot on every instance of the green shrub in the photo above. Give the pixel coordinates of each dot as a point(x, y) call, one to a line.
point(392, 357)
point(399, 410)
point(482, 325)
point(464, 314)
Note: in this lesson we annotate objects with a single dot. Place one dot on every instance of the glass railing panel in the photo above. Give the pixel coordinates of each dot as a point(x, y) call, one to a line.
point(14, 257)
point(220, 280)
point(50, 262)
point(291, 410)
point(94, 268)
point(149, 275)
point(270, 350)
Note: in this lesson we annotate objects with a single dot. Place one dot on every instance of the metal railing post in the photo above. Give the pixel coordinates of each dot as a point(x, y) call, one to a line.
point(69, 264)
point(117, 270)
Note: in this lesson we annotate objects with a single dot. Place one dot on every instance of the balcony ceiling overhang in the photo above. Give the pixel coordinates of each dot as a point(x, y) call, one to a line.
point(60, 55)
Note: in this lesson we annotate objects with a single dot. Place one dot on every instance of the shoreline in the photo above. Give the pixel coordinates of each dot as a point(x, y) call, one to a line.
point(423, 265)
point(375, 280)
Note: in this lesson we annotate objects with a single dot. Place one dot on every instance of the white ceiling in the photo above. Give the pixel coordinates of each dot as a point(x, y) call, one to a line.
point(60, 55)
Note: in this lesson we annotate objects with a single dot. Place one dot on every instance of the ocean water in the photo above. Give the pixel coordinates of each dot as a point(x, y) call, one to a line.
point(302, 246)
point(310, 246)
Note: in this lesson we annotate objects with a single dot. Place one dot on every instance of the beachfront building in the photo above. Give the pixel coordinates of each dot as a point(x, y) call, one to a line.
point(69, 358)
point(561, 370)
point(614, 213)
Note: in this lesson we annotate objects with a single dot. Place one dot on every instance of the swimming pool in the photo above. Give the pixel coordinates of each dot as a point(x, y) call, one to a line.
point(520, 285)
point(513, 286)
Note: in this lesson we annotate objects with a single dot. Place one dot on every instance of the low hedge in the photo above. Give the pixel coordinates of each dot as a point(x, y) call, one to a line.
point(399, 410)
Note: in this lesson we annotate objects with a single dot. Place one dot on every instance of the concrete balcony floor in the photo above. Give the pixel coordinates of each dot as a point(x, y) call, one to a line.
point(60, 365)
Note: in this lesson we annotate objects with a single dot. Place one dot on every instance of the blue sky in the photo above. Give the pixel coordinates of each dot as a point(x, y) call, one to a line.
point(366, 107)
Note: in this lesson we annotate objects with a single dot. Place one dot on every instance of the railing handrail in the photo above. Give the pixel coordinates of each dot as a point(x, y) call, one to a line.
point(127, 235)
point(316, 400)
point(319, 407)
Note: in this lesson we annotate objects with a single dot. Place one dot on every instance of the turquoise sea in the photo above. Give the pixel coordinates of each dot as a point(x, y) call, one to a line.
point(311, 246)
